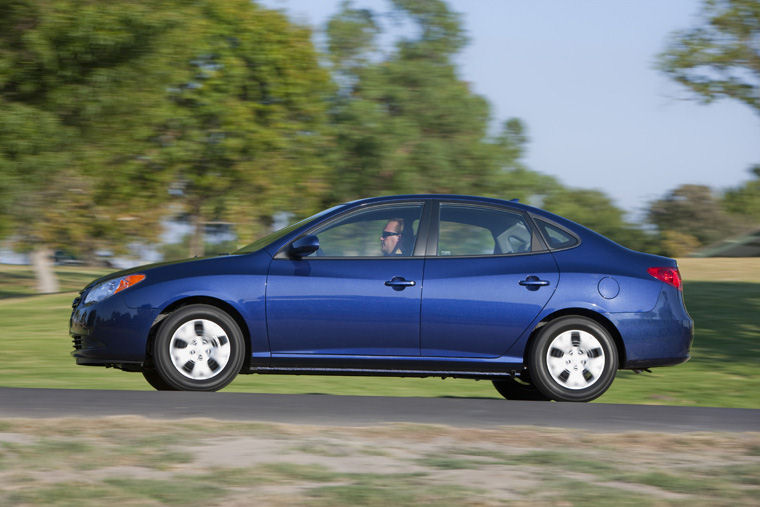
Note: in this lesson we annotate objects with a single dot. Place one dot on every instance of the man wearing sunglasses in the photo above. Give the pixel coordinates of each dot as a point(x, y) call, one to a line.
point(390, 239)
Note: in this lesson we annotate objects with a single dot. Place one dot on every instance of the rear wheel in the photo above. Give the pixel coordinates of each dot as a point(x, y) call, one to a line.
point(517, 388)
point(197, 348)
point(155, 380)
point(573, 359)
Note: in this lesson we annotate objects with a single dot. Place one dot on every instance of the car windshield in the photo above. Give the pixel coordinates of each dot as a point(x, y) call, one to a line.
point(274, 236)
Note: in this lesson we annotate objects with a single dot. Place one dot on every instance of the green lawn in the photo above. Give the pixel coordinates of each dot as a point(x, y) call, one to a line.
point(723, 370)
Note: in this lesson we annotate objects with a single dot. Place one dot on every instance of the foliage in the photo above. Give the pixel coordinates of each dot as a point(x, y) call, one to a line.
point(107, 111)
point(692, 210)
point(406, 123)
point(113, 116)
point(79, 83)
point(595, 210)
point(678, 244)
point(174, 251)
point(720, 57)
point(245, 133)
point(745, 199)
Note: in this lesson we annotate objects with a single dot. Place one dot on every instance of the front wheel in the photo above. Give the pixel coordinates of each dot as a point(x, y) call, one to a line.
point(156, 381)
point(198, 348)
point(573, 359)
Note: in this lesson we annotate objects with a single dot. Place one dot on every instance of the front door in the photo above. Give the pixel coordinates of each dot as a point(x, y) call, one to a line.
point(358, 295)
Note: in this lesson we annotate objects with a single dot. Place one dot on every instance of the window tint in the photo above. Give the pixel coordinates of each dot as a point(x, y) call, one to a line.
point(556, 237)
point(361, 234)
point(473, 230)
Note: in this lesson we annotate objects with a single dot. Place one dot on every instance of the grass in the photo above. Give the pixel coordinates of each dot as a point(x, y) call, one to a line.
point(722, 371)
point(525, 465)
point(19, 281)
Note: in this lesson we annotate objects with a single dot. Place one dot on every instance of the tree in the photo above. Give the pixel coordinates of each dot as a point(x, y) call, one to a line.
point(596, 210)
point(721, 57)
point(78, 84)
point(692, 210)
point(245, 134)
point(745, 200)
point(113, 115)
point(403, 119)
point(406, 123)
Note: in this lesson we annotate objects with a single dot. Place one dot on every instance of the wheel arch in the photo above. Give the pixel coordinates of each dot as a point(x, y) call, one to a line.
point(580, 312)
point(206, 300)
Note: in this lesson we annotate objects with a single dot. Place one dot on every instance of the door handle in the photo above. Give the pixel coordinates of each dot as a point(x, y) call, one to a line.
point(534, 282)
point(400, 283)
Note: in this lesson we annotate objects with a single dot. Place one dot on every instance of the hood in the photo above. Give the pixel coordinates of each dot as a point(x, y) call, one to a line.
point(146, 268)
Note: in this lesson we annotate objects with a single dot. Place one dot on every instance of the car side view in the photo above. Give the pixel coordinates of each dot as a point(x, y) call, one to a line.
point(412, 285)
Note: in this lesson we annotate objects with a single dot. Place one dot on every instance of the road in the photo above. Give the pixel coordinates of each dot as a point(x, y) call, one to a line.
point(332, 410)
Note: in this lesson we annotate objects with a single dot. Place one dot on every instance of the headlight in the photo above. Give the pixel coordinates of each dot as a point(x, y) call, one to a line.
point(111, 287)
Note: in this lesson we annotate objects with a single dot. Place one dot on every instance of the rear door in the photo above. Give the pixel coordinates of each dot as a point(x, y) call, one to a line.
point(487, 276)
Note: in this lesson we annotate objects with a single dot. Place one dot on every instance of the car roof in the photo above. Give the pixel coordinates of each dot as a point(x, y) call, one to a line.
point(436, 196)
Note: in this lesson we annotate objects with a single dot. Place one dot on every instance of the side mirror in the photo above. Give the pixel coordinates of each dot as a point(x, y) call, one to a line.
point(303, 246)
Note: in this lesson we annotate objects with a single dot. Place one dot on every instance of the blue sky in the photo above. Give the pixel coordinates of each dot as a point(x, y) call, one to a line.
point(581, 76)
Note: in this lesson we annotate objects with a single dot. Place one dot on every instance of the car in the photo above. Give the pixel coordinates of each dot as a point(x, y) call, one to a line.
point(410, 285)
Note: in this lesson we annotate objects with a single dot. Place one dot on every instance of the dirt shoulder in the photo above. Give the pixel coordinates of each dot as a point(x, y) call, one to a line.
point(209, 462)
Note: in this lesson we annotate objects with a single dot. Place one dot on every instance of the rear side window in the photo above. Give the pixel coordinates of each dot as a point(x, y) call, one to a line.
point(474, 230)
point(556, 238)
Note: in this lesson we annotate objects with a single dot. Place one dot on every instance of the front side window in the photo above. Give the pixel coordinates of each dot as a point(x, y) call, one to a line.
point(381, 231)
point(474, 230)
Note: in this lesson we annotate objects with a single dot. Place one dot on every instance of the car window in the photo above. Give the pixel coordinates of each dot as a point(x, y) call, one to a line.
point(556, 237)
point(474, 230)
point(382, 231)
point(516, 238)
point(464, 239)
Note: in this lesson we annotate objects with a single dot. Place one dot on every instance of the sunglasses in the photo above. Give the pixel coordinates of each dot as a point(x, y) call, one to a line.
point(385, 234)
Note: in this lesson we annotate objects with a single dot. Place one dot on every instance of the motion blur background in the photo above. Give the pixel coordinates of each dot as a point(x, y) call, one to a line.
point(138, 131)
point(132, 132)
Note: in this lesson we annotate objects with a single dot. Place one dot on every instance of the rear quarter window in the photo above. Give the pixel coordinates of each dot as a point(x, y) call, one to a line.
point(555, 237)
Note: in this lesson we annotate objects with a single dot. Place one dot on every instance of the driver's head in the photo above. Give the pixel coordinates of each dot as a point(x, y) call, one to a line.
point(391, 236)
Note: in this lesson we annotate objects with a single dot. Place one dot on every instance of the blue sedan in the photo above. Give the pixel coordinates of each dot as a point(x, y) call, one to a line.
point(414, 285)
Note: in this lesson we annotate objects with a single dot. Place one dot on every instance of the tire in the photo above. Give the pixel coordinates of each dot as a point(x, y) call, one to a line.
point(518, 389)
point(197, 348)
point(155, 380)
point(573, 359)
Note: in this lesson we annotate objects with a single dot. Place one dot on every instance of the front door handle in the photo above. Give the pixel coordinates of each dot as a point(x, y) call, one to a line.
point(400, 283)
point(534, 282)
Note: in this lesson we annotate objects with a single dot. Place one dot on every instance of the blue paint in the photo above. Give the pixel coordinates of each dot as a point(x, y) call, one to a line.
point(469, 315)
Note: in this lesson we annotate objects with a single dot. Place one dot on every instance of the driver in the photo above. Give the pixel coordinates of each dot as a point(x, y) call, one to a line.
point(390, 239)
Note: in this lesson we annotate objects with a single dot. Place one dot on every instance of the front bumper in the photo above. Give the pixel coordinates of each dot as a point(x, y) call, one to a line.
point(110, 333)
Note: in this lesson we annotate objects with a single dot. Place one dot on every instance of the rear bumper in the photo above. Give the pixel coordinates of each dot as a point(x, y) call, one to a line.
point(660, 337)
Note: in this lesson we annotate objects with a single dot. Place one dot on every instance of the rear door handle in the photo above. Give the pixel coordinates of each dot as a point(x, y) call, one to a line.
point(534, 282)
point(400, 283)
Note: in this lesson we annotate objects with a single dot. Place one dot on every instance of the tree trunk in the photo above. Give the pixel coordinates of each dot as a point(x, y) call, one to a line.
point(197, 248)
point(43, 271)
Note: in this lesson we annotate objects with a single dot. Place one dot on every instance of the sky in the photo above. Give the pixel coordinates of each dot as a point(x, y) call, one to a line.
point(581, 75)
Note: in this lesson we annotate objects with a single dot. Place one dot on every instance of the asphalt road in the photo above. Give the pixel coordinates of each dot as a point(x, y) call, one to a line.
point(331, 410)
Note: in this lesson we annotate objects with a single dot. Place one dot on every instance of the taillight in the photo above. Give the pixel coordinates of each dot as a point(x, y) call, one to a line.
point(671, 276)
